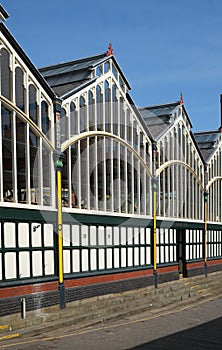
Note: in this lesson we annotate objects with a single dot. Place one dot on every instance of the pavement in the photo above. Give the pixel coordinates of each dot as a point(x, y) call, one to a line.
point(113, 307)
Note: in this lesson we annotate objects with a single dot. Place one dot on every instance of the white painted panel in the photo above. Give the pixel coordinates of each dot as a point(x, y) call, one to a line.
point(123, 235)
point(75, 235)
point(10, 265)
point(157, 236)
point(198, 236)
point(142, 236)
point(148, 255)
point(0, 266)
point(66, 235)
point(148, 235)
point(101, 235)
point(191, 252)
point(116, 235)
point(142, 256)
point(37, 263)
point(136, 256)
point(9, 235)
point(166, 236)
point(191, 236)
point(198, 252)
point(130, 256)
point(93, 235)
point(66, 261)
point(75, 261)
point(166, 254)
point(84, 236)
point(49, 262)
point(175, 236)
point(116, 257)
point(130, 235)
point(109, 259)
point(85, 260)
point(162, 254)
point(171, 253)
point(36, 235)
point(136, 235)
point(93, 254)
point(162, 235)
point(123, 257)
point(23, 234)
point(175, 253)
point(24, 264)
point(101, 259)
point(109, 235)
point(171, 235)
point(187, 236)
point(48, 235)
point(157, 256)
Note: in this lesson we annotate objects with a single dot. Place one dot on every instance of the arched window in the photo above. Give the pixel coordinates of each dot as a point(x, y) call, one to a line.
point(19, 89)
point(7, 154)
point(115, 110)
point(45, 118)
point(21, 159)
point(106, 67)
point(73, 119)
point(99, 108)
point(107, 107)
point(6, 83)
point(63, 125)
point(33, 110)
point(83, 114)
point(91, 110)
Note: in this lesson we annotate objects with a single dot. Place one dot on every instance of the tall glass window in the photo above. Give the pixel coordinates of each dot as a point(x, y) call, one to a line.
point(33, 110)
point(73, 119)
point(45, 118)
point(83, 114)
point(63, 126)
point(107, 107)
point(7, 154)
point(34, 167)
point(46, 175)
point(6, 83)
point(99, 108)
point(91, 111)
point(19, 89)
point(21, 155)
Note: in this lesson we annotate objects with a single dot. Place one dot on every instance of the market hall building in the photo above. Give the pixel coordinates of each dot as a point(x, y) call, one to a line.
point(140, 193)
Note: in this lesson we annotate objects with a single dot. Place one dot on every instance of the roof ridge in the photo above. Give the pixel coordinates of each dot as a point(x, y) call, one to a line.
point(162, 105)
point(207, 132)
point(80, 60)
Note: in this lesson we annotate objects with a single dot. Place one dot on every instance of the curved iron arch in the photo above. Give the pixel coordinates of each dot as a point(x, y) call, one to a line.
point(180, 162)
point(86, 134)
point(216, 178)
point(24, 117)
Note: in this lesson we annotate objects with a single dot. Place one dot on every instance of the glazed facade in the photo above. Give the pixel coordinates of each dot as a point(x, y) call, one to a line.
point(111, 163)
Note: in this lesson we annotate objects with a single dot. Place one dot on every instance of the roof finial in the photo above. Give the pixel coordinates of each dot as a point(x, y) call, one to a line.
point(181, 99)
point(109, 52)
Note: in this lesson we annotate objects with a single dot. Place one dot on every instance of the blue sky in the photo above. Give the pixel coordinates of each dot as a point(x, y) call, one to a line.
point(163, 46)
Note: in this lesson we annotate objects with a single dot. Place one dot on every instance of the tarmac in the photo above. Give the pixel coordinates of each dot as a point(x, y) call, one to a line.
point(113, 307)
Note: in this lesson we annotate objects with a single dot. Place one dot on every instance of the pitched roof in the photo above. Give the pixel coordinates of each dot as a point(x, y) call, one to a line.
point(67, 76)
point(159, 117)
point(26, 60)
point(207, 142)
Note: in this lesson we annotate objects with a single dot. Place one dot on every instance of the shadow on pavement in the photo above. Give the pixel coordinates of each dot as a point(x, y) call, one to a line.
point(205, 336)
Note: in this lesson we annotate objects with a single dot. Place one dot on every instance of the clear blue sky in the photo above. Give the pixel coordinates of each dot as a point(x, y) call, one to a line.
point(163, 46)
